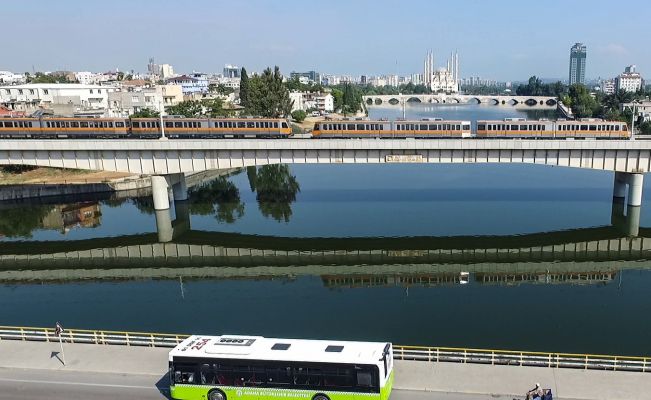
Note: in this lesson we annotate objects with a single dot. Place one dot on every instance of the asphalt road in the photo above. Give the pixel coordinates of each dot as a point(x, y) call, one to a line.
point(22, 384)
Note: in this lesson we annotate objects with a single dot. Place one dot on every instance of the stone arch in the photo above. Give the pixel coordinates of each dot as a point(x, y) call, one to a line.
point(393, 101)
point(473, 100)
point(378, 101)
point(531, 102)
point(551, 102)
point(369, 101)
point(414, 100)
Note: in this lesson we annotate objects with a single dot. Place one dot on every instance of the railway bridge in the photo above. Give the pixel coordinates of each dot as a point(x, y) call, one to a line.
point(167, 161)
point(442, 98)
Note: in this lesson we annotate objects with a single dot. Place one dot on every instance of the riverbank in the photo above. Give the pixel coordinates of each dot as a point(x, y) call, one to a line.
point(50, 176)
point(426, 380)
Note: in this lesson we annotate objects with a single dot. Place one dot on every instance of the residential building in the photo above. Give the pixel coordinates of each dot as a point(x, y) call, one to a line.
point(166, 71)
point(190, 84)
point(578, 55)
point(8, 77)
point(231, 71)
point(324, 103)
point(629, 80)
point(129, 100)
point(608, 86)
point(63, 98)
point(311, 76)
point(643, 108)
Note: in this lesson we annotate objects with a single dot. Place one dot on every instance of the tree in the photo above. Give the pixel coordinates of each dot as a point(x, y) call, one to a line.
point(188, 109)
point(21, 221)
point(220, 197)
point(299, 115)
point(581, 101)
point(268, 96)
point(244, 88)
point(145, 113)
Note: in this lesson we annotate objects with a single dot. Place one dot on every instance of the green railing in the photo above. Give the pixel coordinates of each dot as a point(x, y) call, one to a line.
point(410, 353)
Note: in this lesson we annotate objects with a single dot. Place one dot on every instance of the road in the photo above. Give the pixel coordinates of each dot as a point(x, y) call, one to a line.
point(24, 384)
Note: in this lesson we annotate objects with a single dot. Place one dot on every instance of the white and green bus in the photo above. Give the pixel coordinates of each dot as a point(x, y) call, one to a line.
point(256, 368)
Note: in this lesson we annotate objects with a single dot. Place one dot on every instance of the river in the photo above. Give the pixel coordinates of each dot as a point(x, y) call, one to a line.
point(362, 252)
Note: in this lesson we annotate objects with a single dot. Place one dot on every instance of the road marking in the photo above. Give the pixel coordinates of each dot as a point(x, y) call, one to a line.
point(81, 384)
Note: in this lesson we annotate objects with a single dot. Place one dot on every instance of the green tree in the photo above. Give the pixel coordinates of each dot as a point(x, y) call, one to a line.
point(188, 109)
point(21, 221)
point(581, 101)
point(299, 115)
point(244, 88)
point(145, 113)
point(220, 197)
point(268, 96)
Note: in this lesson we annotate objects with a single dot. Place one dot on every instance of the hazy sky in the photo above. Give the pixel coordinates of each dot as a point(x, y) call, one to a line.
point(498, 39)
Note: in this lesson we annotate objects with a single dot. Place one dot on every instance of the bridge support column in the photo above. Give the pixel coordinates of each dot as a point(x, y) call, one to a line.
point(619, 186)
point(635, 183)
point(160, 192)
point(179, 187)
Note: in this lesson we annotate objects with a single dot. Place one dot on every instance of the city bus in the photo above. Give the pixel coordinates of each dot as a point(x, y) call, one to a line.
point(233, 367)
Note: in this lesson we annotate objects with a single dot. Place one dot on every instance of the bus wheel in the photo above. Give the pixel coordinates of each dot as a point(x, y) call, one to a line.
point(216, 395)
point(320, 396)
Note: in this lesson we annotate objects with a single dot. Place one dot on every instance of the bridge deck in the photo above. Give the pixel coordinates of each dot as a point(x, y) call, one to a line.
point(26, 368)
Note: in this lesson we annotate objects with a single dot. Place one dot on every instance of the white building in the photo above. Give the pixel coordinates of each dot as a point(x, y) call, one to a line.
point(89, 78)
point(608, 86)
point(629, 80)
point(325, 103)
point(643, 108)
point(442, 79)
point(67, 97)
point(8, 77)
point(166, 71)
point(298, 101)
point(123, 103)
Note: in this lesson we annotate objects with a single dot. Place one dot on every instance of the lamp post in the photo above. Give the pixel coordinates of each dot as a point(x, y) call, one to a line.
point(162, 124)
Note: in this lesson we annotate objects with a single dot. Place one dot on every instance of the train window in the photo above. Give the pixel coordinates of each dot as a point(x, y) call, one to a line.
point(9, 124)
point(490, 127)
point(168, 124)
point(584, 127)
point(325, 127)
point(350, 127)
point(482, 127)
point(275, 124)
point(423, 127)
point(250, 124)
point(466, 127)
point(523, 127)
point(121, 124)
point(83, 124)
point(593, 127)
point(457, 127)
point(67, 124)
point(360, 127)
point(74, 124)
point(624, 127)
point(381, 127)
point(178, 124)
point(514, 127)
point(241, 124)
point(397, 127)
point(29, 124)
point(616, 127)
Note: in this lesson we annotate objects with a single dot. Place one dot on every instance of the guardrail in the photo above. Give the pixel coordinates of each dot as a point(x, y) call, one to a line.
point(522, 358)
point(411, 353)
point(91, 336)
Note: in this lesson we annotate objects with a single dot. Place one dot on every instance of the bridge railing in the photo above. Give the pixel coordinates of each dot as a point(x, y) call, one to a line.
point(522, 358)
point(91, 336)
point(412, 353)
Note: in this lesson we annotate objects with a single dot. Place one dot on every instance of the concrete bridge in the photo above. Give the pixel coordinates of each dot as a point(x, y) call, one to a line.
point(167, 161)
point(442, 98)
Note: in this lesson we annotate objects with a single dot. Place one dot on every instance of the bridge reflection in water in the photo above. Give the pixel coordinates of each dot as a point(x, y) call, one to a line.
point(583, 256)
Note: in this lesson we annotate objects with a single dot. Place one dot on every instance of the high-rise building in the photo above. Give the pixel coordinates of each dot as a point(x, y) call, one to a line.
point(312, 76)
point(577, 63)
point(630, 80)
point(231, 71)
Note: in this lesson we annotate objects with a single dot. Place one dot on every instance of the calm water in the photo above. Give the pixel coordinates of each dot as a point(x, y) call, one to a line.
point(395, 230)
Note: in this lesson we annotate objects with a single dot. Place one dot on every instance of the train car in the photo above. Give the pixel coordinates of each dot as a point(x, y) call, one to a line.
point(592, 128)
point(63, 128)
point(19, 128)
point(349, 128)
point(260, 128)
point(515, 128)
point(204, 128)
point(432, 128)
point(544, 129)
point(424, 129)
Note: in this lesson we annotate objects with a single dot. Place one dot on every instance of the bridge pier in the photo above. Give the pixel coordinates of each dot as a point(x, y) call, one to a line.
point(625, 215)
point(161, 186)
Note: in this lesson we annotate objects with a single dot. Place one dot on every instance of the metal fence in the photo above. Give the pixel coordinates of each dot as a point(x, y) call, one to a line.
point(412, 353)
point(522, 358)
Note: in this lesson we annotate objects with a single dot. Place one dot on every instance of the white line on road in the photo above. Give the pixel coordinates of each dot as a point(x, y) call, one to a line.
point(80, 384)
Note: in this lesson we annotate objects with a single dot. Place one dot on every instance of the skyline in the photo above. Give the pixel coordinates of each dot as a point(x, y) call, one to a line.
point(496, 42)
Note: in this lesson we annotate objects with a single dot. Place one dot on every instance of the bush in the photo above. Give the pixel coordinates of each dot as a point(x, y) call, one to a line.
point(299, 115)
point(16, 169)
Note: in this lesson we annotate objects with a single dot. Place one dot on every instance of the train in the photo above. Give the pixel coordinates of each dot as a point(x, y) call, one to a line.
point(143, 128)
point(436, 128)
point(274, 128)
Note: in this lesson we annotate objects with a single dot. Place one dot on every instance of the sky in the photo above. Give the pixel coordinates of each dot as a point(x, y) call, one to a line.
point(496, 39)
